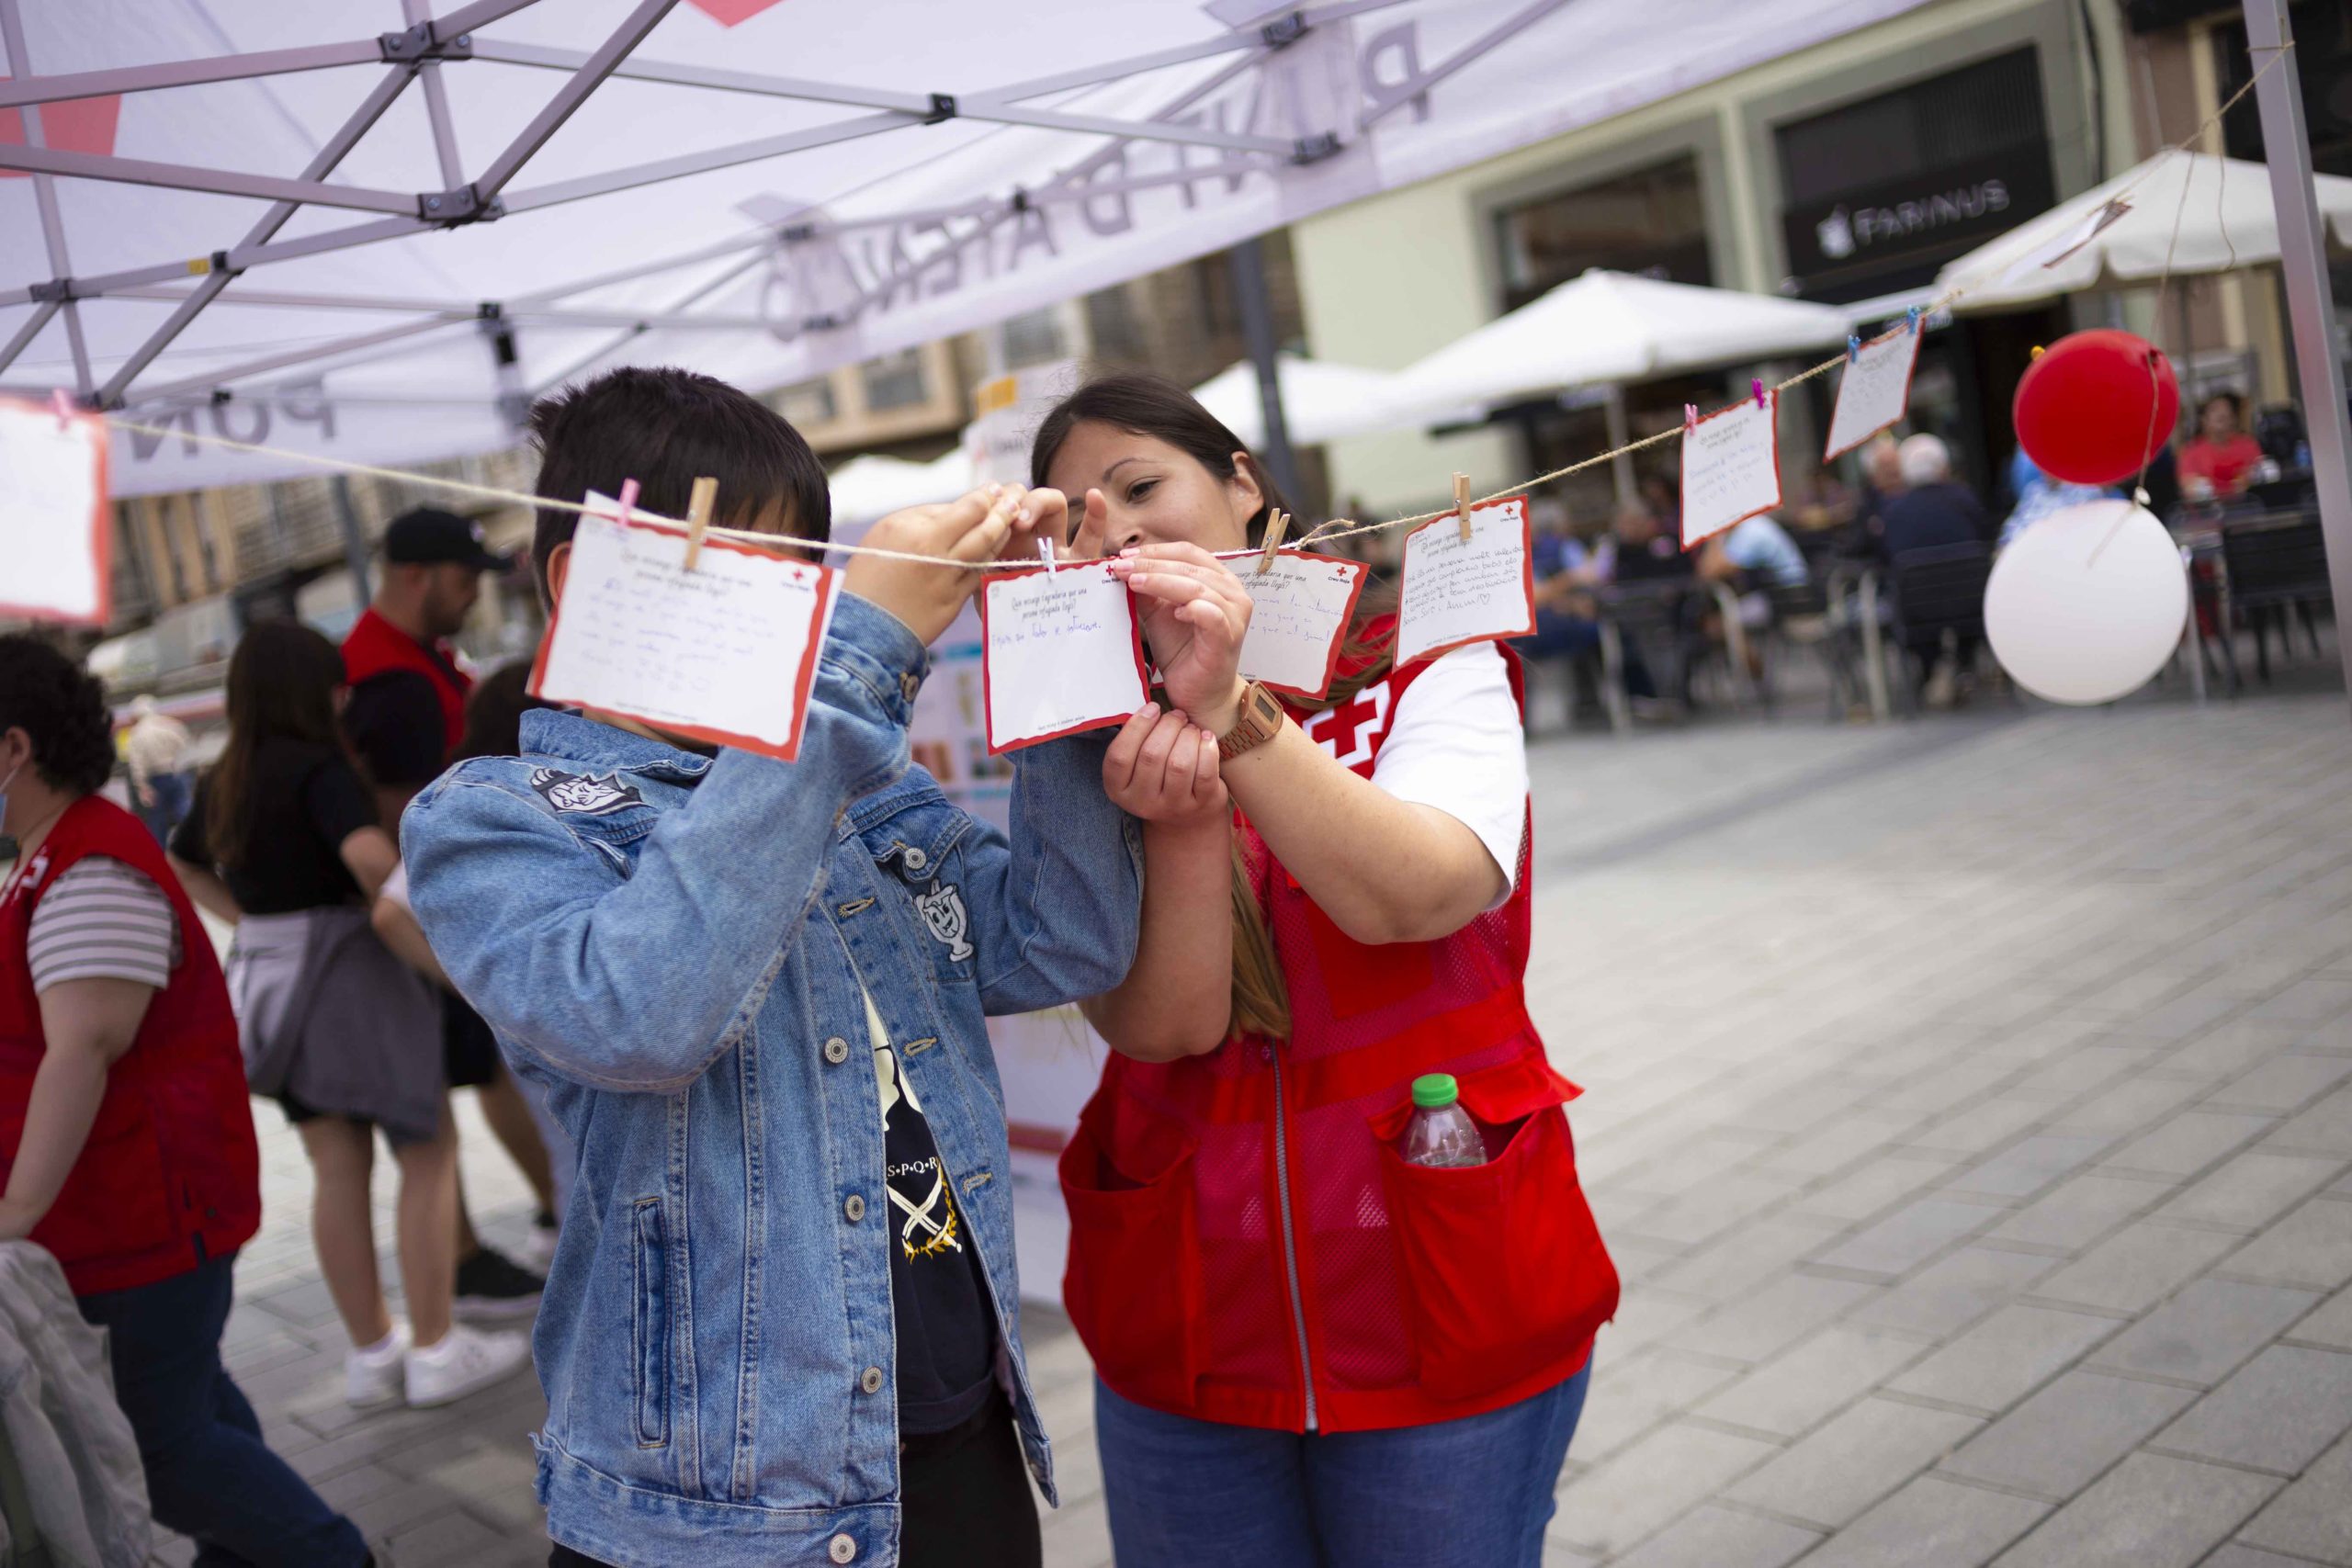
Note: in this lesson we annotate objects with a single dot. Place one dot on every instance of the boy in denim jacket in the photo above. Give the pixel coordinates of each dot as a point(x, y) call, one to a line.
point(782, 1324)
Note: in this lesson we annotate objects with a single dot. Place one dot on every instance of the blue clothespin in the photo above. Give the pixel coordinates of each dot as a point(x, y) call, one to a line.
point(1756, 386)
point(1853, 348)
point(1911, 318)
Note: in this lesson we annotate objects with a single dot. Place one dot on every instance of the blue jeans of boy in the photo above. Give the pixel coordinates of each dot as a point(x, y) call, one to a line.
point(1469, 1494)
point(209, 1475)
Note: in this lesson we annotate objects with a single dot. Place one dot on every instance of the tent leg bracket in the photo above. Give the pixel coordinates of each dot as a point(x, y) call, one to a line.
point(416, 45)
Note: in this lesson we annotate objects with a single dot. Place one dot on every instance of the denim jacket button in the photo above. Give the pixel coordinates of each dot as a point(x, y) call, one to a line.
point(871, 1382)
point(855, 1208)
point(837, 1050)
point(910, 686)
point(842, 1549)
point(916, 859)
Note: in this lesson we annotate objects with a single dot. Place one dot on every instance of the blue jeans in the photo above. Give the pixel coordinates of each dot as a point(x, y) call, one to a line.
point(1470, 1493)
point(209, 1475)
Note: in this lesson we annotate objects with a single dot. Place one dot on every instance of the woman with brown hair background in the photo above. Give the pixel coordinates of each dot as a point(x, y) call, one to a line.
point(1308, 1349)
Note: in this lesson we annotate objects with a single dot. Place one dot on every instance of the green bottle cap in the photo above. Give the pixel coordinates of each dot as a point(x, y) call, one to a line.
point(1431, 1090)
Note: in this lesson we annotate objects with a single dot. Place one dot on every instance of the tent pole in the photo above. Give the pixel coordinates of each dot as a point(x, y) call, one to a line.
point(370, 109)
point(26, 333)
point(45, 162)
point(31, 89)
point(1248, 262)
point(2301, 263)
point(436, 103)
point(571, 95)
point(52, 222)
point(355, 538)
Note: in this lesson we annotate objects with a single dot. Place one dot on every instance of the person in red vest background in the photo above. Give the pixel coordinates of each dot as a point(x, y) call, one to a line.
point(405, 717)
point(126, 1143)
point(1310, 1350)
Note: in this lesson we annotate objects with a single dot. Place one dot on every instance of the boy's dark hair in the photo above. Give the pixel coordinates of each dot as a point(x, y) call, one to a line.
point(63, 707)
point(664, 427)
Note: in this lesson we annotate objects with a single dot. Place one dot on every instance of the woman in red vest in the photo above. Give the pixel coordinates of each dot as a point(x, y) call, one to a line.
point(126, 1143)
point(1310, 1350)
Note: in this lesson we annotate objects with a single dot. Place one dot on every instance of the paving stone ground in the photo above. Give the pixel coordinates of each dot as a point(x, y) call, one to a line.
point(1967, 1104)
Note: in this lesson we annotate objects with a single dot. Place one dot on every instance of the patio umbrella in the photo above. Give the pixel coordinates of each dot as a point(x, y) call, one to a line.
point(1322, 402)
point(1610, 329)
point(2220, 208)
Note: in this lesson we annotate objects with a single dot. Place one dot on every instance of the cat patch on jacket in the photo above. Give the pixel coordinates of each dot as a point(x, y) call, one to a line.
point(584, 794)
point(942, 910)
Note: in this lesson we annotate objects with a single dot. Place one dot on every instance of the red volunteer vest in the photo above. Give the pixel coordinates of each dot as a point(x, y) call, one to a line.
point(171, 1175)
point(1234, 1214)
point(376, 646)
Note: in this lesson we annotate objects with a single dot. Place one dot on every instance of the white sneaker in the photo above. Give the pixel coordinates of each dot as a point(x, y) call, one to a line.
point(372, 1377)
point(537, 1251)
point(465, 1360)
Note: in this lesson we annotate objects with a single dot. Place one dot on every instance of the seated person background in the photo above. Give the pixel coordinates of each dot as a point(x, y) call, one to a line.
point(2220, 460)
point(1933, 508)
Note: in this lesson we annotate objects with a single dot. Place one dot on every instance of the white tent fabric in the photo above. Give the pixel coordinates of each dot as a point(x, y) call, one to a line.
point(260, 219)
point(1322, 402)
point(869, 488)
point(2220, 206)
point(1609, 328)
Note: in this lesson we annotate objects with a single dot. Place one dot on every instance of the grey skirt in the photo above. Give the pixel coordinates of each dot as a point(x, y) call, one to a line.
point(328, 1016)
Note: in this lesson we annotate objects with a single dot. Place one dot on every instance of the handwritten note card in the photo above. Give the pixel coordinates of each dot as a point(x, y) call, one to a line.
point(1874, 390)
point(1454, 592)
point(1731, 467)
point(1062, 652)
point(53, 523)
point(724, 653)
point(1300, 609)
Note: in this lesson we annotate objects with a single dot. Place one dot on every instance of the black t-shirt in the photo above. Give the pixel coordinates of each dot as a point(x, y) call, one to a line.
point(947, 1331)
point(395, 727)
point(302, 801)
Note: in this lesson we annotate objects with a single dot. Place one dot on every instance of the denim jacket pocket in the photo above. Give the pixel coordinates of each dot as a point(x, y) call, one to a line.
point(649, 1326)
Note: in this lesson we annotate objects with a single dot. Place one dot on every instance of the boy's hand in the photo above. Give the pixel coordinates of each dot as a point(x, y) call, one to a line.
point(978, 528)
point(1162, 768)
point(1195, 613)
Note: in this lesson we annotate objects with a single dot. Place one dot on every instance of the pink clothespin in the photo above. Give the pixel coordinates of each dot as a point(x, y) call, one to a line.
point(64, 405)
point(1689, 418)
point(628, 500)
point(1757, 386)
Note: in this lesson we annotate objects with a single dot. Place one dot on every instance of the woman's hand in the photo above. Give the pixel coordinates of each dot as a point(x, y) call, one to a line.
point(1162, 768)
point(1195, 613)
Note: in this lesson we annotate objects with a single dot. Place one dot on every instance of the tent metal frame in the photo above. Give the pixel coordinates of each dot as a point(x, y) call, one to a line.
point(431, 45)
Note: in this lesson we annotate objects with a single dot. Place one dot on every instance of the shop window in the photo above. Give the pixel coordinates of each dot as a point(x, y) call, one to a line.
point(1035, 339)
point(809, 404)
point(895, 381)
point(1652, 222)
point(1114, 334)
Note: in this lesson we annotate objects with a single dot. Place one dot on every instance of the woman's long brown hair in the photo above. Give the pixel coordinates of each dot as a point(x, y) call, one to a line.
point(282, 681)
point(1145, 404)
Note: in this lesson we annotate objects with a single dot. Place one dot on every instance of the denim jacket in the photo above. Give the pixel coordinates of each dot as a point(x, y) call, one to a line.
point(676, 946)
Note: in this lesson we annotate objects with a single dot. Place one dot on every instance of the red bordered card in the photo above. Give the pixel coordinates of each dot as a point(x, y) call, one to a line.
point(1301, 607)
point(55, 532)
point(1736, 471)
point(1874, 391)
point(1450, 594)
point(726, 653)
point(1061, 652)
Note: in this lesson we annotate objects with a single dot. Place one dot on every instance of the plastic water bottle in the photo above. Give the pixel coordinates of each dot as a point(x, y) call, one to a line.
point(1441, 1133)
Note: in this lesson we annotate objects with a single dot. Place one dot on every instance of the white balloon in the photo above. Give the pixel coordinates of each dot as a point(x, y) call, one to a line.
point(2088, 603)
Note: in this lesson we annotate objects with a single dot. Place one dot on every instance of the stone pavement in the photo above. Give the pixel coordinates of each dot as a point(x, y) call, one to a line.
point(1968, 1105)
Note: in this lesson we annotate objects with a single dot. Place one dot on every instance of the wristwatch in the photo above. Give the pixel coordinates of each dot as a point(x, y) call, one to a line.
point(1259, 721)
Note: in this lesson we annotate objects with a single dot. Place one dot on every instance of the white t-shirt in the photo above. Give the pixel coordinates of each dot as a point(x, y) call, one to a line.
point(1454, 742)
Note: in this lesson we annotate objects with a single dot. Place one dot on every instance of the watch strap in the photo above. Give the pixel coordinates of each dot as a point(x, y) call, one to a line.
point(1259, 721)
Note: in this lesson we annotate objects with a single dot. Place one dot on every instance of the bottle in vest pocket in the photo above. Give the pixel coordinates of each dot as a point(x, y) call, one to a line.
point(1441, 1133)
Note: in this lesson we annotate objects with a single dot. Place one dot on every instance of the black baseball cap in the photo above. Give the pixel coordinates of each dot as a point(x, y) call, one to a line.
point(428, 536)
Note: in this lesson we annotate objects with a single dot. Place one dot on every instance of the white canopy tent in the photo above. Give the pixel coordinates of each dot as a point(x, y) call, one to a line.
point(1609, 328)
point(357, 228)
point(2187, 212)
point(1322, 402)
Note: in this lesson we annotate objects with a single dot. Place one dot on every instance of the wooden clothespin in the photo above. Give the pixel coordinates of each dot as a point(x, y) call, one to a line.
point(699, 501)
point(1462, 503)
point(1756, 385)
point(1277, 525)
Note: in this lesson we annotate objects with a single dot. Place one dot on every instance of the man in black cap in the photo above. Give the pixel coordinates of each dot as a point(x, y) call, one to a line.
point(405, 717)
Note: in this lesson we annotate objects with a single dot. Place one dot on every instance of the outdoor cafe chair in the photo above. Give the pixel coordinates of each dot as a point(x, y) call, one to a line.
point(2271, 566)
point(1936, 597)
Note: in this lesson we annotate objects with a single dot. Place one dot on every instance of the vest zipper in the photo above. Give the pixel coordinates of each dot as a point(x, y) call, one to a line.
point(1290, 1240)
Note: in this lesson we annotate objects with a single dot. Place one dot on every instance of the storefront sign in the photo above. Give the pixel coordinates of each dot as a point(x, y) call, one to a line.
point(1894, 233)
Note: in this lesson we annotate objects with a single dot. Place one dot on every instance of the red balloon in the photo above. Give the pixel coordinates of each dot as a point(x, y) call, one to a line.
point(2096, 406)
